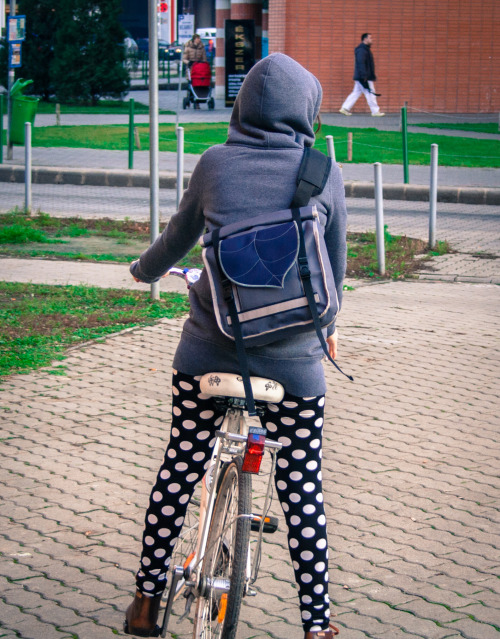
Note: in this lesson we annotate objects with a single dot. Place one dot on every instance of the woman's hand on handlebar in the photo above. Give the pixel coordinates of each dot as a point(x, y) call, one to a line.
point(332, 342)
point(135, 278)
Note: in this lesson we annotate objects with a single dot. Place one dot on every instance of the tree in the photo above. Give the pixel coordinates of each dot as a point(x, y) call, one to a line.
point(88, 51)
point(38, 47)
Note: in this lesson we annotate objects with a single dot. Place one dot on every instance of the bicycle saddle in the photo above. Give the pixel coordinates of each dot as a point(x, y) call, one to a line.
point(231, 385)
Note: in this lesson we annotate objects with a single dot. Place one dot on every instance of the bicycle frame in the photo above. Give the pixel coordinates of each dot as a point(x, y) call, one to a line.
point(230, 442)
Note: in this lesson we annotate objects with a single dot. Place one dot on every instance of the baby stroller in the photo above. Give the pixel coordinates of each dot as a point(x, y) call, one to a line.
point(199, 86)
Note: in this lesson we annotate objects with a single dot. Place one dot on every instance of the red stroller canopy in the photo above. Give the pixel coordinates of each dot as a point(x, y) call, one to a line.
point(201, 74)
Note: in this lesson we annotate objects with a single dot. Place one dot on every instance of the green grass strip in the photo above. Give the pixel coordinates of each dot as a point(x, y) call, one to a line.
point(38, 322)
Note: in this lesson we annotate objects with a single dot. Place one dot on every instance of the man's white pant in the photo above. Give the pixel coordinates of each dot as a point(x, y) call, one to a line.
point(351, 99)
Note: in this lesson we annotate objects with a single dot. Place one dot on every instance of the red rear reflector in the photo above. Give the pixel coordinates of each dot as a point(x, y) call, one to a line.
point(254, 450)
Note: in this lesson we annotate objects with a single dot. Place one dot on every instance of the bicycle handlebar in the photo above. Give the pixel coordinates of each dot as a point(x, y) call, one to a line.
point(190, 275)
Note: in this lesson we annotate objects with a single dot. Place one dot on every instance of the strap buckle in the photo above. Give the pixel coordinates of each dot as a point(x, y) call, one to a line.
point(227, 291)
point(304, 271)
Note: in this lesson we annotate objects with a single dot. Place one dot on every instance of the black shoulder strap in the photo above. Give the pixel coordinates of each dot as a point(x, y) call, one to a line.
point(313, 176)
point(305, 276)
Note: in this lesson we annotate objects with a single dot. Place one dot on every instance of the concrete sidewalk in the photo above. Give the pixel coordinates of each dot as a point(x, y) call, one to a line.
point(411, 483)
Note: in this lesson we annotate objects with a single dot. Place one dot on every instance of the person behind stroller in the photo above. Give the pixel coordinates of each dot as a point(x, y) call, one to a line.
point(194, 51)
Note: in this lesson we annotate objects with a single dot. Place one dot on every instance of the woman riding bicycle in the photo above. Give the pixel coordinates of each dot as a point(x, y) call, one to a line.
point(254, 172)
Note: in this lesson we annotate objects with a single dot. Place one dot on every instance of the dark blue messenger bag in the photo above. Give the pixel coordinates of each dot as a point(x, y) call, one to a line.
point(270, 275)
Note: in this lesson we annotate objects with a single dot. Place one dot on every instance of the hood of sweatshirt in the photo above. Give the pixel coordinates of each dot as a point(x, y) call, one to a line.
point(276, 106)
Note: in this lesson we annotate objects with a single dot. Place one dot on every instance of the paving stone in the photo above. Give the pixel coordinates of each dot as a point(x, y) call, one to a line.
point(47, 588)
point(10, 614)
point(474, 630)
point(91, 630)
point(30, 627)
point(15, 571)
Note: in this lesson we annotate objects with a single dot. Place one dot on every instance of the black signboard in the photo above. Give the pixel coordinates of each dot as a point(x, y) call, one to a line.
point(240, 55)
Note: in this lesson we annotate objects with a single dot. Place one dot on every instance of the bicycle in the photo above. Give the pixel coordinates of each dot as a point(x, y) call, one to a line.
point(213, 562)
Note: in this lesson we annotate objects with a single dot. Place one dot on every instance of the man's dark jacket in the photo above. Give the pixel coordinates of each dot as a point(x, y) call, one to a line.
point(364, 68)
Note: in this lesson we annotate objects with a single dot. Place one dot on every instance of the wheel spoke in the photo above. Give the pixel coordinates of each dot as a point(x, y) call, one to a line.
point(225, 558)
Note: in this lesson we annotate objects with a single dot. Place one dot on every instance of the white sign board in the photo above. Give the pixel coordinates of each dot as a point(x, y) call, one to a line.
point(185, 27)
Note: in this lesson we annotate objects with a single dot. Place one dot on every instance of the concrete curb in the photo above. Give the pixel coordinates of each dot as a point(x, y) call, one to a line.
point(463, 279)
point(420, 193)
point(168, 179)
point(88, 177)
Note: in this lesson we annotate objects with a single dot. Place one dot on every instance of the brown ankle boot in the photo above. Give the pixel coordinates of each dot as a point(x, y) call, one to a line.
point(329, 633)
point(141, 616)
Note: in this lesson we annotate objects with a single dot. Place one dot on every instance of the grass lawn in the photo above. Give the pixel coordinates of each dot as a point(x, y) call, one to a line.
point(38, 322)
point(369, 145)
point(480, 127)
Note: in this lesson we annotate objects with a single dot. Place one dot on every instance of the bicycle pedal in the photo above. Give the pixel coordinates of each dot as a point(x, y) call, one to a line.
point(270, 523)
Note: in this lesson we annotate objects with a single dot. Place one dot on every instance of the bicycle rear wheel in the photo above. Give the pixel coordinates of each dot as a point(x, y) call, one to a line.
point(224, 564)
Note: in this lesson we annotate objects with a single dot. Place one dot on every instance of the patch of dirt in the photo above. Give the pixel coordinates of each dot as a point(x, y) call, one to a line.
point(54, 323)
point(402, 258)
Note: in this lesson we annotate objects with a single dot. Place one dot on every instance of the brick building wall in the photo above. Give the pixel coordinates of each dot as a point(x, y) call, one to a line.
point(439, 55)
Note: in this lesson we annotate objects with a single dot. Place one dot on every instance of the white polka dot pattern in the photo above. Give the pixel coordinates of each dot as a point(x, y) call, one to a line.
point(297, 424)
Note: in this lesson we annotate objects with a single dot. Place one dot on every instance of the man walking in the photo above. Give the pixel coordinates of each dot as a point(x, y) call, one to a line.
point(364, 76)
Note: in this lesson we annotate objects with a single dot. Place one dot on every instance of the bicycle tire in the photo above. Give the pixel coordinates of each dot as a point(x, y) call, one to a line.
point(226, 555)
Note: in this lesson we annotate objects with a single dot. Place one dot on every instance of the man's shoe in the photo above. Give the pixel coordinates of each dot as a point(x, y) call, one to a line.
point(329, 633)
point(345, 112)
point(141, 616)
point(379, 114)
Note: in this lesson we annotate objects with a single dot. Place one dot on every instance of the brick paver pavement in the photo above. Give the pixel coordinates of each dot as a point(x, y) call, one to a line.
point(411, 477)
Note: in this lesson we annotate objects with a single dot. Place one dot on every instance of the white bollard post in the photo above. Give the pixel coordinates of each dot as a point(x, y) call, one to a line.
point(379, 217)
point(433, 196)
point(180, 164)
point(349, 146)
point(330, 147)
point(27, 167)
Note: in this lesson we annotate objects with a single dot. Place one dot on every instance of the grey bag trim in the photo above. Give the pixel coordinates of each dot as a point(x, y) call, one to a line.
point(272, 309)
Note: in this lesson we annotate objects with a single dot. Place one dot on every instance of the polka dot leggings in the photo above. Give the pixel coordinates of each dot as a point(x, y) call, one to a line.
point(298, 424)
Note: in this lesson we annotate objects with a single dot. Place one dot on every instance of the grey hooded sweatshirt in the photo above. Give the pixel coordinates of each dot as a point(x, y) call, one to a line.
point(254, 172)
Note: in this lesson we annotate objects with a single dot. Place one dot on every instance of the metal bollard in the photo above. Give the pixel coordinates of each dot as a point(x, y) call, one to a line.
point(131, 104)
point(433, 196)
point(379, 217)
point(58, 114)
point(404, 131)
point(27, 167)
point(180, 164)
point(349, 146)
point(330, 147)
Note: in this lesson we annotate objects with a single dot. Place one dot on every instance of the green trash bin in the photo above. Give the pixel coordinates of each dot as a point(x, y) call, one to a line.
point(24, 109)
